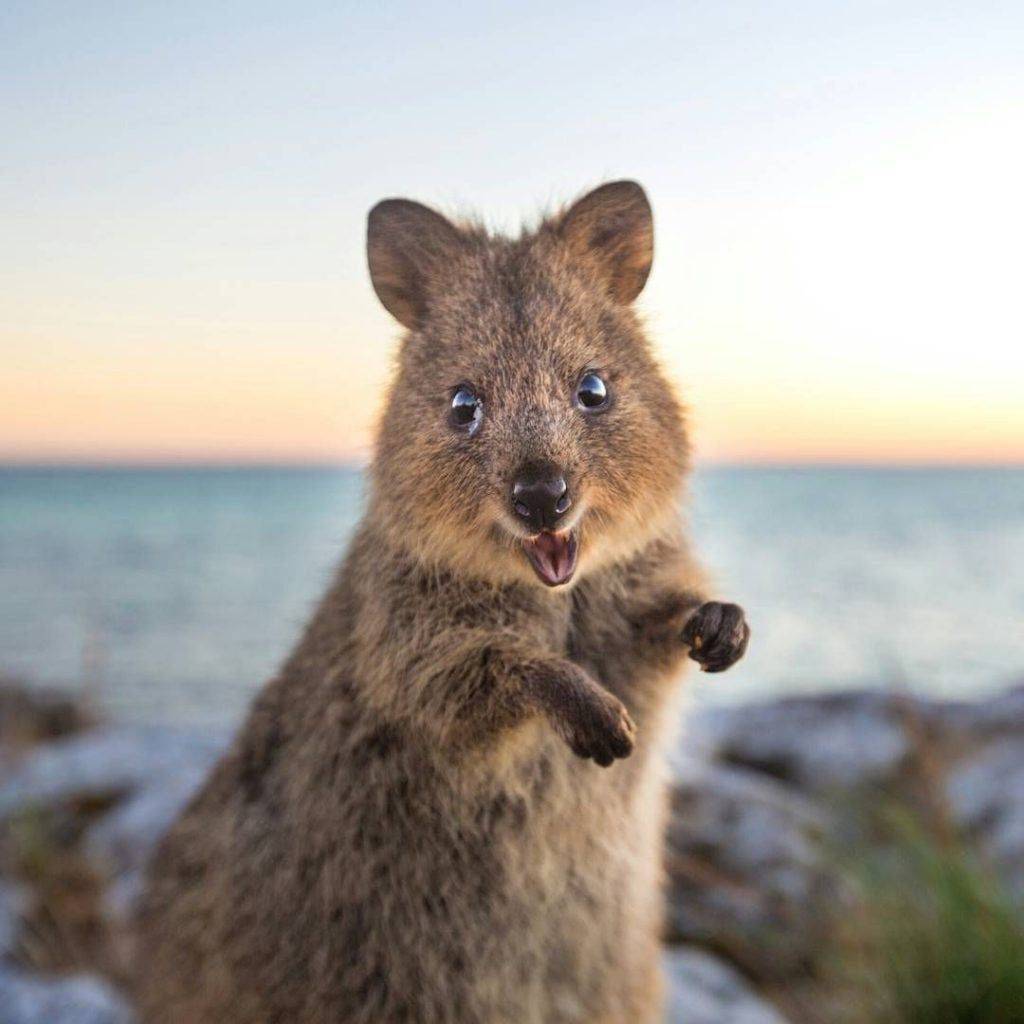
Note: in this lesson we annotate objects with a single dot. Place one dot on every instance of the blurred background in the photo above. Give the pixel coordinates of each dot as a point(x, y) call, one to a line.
point(193, 356)
point(192, 360)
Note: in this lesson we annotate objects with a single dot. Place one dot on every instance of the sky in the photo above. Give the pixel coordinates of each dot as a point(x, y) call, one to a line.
point(183, 190)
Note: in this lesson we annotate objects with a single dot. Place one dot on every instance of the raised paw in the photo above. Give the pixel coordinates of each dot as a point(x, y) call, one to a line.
point(717, 635)
point(601, 729)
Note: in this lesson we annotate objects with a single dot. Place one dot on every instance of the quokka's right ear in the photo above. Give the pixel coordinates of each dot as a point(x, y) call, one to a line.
point(408, 246)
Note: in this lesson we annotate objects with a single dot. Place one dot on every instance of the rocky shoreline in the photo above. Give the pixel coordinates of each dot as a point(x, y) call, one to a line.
point(769, 800)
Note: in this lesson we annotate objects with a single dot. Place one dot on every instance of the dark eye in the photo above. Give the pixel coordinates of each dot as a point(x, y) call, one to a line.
point(591, 392)
point(467, 410)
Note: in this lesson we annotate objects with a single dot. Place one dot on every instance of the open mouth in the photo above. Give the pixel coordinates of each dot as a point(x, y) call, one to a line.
point(553, 556)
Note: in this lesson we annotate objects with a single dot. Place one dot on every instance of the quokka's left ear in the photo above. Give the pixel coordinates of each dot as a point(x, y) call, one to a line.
point(612, 228)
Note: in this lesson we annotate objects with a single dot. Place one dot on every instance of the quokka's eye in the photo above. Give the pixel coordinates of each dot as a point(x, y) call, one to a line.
point(467, 410)
point(591, 392)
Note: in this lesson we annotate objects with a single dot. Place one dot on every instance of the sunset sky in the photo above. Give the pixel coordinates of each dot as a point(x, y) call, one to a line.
point(838, 191)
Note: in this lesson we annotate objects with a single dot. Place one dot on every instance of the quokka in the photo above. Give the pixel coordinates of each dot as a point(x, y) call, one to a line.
point(448, 805)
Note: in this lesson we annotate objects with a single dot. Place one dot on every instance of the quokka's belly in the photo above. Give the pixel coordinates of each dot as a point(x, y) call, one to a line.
point(553, 917)
point(541, 939)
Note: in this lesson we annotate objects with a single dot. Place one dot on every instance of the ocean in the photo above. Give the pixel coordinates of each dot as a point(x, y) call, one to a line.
point(171, 594)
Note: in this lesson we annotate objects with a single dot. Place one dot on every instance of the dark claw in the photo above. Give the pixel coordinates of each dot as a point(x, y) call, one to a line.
point(605, 734)
point(717, 635)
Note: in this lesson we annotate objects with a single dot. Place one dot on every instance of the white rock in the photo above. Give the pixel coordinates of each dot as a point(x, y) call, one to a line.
point(835, 741)
point(31, 999)
point(704, 990)
point(107, 763)
point(123, 839)
point(982, 720)
point(745, 869)
point(986, 795)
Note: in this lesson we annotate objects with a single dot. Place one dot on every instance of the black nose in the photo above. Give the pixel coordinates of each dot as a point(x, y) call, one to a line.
point(540, 497)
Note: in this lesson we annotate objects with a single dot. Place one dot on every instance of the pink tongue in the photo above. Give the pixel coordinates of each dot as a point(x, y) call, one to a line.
point(552, 556)
point(553, 552)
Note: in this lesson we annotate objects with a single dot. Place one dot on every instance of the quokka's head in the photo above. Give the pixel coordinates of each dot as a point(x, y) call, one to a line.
point(528, 432)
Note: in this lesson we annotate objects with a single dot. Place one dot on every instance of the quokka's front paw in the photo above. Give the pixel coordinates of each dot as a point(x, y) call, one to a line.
point(601, 729)
point(717, 635)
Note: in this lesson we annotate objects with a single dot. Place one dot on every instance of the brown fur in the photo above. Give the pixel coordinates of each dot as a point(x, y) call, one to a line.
point(411, 826)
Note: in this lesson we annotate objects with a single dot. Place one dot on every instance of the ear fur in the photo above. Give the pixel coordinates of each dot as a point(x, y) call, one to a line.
point(408, 246)
point(612, 229)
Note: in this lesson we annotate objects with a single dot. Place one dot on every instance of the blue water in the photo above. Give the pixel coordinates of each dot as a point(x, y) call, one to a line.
point(171, 594)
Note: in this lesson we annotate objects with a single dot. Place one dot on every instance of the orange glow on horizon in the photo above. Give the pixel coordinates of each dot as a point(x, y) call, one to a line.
point(315, 401)
point(313, 406)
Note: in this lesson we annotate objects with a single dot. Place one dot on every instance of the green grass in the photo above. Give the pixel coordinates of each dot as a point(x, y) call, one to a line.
point(934, 940)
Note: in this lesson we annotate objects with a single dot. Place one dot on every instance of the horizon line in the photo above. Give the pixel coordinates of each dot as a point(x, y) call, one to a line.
point(360, 463)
